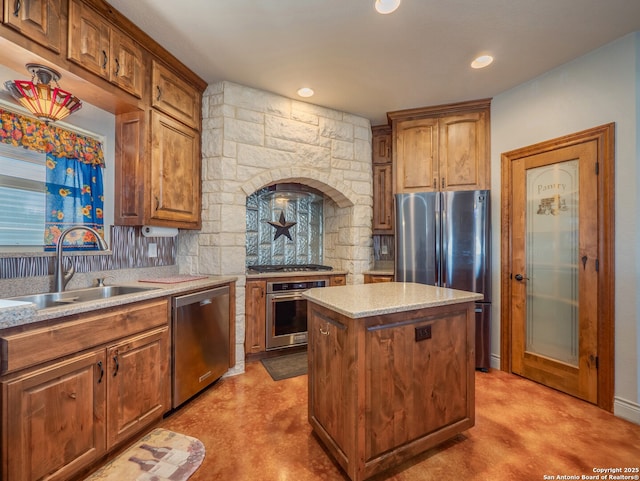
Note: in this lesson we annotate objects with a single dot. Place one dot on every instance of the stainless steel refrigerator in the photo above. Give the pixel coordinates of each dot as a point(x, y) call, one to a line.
point(444, 239)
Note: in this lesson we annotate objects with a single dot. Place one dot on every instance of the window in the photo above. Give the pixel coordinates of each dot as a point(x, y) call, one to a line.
point(50, 179)
point(22, 196)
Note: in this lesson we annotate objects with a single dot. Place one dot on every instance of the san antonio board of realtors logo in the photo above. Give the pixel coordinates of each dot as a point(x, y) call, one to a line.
point(552, 205)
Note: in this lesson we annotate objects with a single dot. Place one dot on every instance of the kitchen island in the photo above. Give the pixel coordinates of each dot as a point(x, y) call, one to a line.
point(391, 371)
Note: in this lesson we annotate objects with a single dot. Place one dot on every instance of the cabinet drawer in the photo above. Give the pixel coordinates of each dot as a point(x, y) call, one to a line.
point(372, 278)
point(80, 332)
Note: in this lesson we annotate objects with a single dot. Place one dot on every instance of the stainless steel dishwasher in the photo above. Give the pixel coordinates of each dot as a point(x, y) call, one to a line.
point(200, 334)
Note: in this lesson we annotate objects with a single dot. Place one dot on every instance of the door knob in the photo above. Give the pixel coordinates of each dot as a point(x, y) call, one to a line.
point(519, 277)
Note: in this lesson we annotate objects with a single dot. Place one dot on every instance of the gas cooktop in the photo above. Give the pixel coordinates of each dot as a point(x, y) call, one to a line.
point(288, 268)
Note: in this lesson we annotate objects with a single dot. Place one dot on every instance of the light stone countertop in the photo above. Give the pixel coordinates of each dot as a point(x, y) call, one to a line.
point(364, 300)
point(17, 313)
point(380, 272)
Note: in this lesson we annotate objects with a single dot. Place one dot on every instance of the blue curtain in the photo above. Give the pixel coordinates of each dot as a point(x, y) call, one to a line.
point(74, 196)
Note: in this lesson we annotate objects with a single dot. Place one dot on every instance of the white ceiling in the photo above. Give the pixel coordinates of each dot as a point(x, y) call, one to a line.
point(361, 62)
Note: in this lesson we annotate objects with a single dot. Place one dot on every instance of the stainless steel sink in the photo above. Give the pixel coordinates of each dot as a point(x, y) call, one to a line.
point(57, 299)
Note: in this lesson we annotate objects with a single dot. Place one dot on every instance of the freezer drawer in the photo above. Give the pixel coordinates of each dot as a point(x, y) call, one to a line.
point(200, 337)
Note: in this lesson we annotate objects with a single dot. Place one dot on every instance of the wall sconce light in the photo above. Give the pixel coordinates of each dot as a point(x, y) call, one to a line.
point(46, 103)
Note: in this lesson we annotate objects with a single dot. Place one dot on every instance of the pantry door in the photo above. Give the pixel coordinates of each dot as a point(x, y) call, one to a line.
point(555, 280)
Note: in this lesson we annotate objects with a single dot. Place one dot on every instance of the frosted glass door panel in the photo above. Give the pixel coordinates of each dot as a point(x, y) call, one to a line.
point(552, 261)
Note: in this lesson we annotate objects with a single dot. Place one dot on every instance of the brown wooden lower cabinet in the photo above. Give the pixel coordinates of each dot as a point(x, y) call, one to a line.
point(255, 316)
point(385, 388)
point(63, 415)
point(372, 278)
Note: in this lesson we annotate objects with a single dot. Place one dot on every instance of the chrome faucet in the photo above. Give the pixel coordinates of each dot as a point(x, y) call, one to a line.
point(61, 278)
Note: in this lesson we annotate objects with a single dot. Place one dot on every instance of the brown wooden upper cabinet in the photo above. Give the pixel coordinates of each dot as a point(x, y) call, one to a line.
point(446, 147)
point(173, 96)
point(38, 20)
point(174, 189)
point(382, 180)
point(381, 144)
point(104, 50)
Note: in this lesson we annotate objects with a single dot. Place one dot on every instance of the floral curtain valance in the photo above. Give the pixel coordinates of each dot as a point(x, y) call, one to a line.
point(22, 131)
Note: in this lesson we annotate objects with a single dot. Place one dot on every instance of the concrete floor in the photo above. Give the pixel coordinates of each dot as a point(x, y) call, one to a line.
point(256, 429)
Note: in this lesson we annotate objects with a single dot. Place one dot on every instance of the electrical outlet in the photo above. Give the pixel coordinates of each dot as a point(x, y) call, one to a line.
point(384, 250)
point(423, 332)
point(153, 249)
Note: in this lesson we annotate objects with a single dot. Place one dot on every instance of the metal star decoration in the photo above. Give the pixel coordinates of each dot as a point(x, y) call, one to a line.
point(282, 226)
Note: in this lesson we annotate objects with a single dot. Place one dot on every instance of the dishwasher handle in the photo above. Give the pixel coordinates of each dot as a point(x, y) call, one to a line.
point(200, 297)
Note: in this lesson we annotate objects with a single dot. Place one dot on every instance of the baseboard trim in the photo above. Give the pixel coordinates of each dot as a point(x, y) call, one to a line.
point(625, 409)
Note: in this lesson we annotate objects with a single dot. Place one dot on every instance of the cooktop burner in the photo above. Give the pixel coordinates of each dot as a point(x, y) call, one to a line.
point(289, 268)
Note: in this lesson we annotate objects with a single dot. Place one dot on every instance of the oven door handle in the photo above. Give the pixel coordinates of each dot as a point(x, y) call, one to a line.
point(286, 297)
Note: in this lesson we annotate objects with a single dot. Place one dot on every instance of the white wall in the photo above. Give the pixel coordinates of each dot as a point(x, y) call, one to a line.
point(600, 87)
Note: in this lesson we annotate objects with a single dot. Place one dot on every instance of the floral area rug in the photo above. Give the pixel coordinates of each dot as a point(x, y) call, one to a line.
point(161, 455)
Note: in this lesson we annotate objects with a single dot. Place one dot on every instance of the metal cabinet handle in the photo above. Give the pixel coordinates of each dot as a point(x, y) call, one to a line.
point(325, 332)
point(435, 182)
point(443, 182)
point(16, 7)
point(157, 202)
point(117, 67)
point(117, 362)
point(101, 371)
point(105, 59)
point(159, 92)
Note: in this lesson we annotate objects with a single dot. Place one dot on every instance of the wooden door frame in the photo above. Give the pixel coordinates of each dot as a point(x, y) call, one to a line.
point(604, 135)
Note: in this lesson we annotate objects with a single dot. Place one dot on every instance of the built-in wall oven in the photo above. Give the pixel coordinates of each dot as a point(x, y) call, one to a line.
point(287, 312)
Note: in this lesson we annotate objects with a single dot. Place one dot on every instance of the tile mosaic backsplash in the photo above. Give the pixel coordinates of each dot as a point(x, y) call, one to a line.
point(269, 243)
point(129, 249)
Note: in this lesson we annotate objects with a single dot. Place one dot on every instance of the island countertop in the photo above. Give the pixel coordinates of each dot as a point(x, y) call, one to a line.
point(364, 300)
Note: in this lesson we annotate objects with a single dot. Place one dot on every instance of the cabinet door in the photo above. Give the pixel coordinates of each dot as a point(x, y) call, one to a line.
point(174, 96)
point(416, 155)
point(329, 379)
point(463, 152)
point(55, 419)
point(382, 199)
point(39, 20)
point(138, 384)
point(131, 142)
point(175, 173)
point(426, 362)
point(255, 317)
point(126, 63)
point(381, 145)
point(88, 39)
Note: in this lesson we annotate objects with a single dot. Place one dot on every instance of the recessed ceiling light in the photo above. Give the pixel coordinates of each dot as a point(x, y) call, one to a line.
point(482, 61)
point(305, 92)
point(387, 6)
